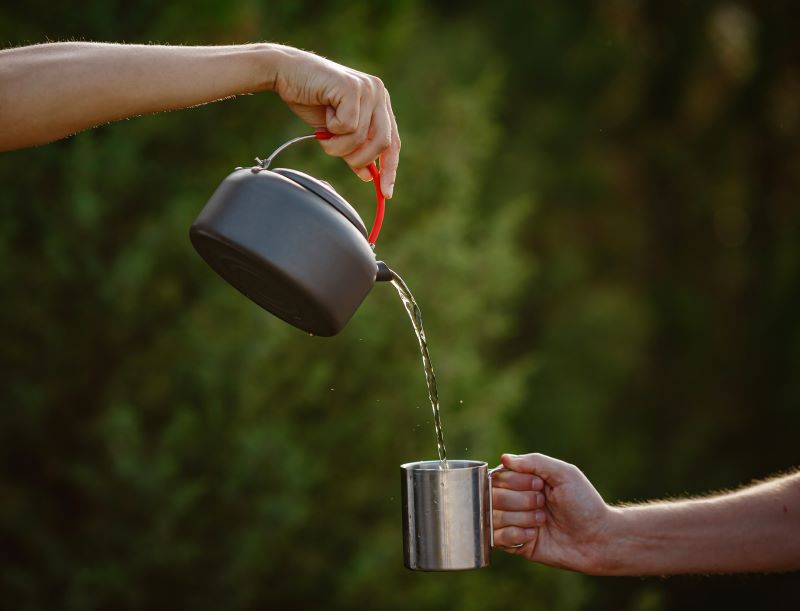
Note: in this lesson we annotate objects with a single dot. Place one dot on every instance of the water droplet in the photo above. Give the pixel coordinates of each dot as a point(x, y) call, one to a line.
point(461, 400)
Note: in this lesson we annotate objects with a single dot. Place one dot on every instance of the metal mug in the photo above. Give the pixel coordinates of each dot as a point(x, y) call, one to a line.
point(447, 515)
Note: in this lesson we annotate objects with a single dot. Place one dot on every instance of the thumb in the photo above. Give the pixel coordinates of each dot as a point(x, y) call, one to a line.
point(343, 118)
point(549, 469)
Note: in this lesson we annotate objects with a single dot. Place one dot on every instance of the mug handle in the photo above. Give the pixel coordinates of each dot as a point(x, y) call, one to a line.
point(491, 518)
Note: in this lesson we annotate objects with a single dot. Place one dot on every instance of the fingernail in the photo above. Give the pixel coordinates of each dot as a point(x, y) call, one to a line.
point(390, 191)
point(539, 515)
point(530, 533)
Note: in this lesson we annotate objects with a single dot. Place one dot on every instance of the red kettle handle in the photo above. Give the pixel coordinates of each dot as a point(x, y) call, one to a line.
point(323, 134)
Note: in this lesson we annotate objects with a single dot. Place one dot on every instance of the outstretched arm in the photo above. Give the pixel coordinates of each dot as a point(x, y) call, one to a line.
point(53, 90)
point(755, 529)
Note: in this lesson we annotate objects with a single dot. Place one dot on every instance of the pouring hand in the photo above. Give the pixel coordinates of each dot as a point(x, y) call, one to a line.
point(53, 90)
point(552, 508)
point(352, 105)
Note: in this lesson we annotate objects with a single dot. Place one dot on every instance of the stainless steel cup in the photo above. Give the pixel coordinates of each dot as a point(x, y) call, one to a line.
point(447, 515)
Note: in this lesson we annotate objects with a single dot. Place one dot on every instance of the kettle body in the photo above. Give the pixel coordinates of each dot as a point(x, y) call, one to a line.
point(291, 244)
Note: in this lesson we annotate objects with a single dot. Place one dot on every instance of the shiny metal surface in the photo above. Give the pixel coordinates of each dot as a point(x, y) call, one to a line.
point(446, 515)
point(265, 162)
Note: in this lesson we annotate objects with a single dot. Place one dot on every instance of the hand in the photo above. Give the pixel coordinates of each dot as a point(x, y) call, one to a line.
point(353, 106)
point(552, 508)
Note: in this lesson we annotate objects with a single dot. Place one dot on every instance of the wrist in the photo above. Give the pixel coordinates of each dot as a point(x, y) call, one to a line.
point(270, 59)
point(611, 553)
point(641, 540)
point(274, 64)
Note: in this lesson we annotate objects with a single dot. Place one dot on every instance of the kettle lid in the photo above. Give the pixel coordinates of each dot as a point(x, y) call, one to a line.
point(326, 192)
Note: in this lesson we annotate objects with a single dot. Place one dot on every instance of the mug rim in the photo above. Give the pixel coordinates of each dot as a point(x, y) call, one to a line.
point(452, 464)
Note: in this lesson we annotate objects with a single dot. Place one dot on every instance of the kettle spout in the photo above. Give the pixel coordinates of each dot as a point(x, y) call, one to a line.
point(384, 273)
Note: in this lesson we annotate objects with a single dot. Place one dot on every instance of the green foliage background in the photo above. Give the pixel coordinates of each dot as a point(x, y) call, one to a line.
point(596, 209)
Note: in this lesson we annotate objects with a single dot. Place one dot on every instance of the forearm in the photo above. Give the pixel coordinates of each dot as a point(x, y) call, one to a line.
point(50, 91)
point(756, 529)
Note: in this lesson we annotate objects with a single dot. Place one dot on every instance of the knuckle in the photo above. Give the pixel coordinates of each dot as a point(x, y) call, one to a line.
point(351, 122)
point(364, 86)
point(354, 83)
point(346, 123)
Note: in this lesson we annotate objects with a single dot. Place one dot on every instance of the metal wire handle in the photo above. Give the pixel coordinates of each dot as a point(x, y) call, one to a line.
point(265, 163)
point(323, 134)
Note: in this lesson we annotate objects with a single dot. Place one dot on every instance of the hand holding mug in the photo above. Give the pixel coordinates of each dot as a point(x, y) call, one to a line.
point(552, 509)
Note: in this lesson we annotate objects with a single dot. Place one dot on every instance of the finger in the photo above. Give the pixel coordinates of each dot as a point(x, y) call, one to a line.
point(347, 141)
point(514, 500)
point(513, 535)
point(348, 144)
point(346, 113)
point(523, 519)
point(355, 161)
point(390, 158)
point(379, 137)
point(363, 174)
point(340, 146)
point(516, 481)
point(550, 469)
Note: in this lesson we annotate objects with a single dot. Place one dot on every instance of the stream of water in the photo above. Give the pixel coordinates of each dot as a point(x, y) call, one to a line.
point(433, 394)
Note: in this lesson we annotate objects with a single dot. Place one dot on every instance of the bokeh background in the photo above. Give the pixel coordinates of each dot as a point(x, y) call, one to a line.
point(597, 209)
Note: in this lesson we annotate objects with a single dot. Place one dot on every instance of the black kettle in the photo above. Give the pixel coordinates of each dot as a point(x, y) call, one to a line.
point(291, 244)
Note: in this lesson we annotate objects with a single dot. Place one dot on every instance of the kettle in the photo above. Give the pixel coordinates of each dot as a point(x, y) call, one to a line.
point(291, 244)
